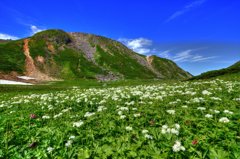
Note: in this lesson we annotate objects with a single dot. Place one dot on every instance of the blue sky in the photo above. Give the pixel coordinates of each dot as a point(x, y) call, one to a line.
point(199, 35)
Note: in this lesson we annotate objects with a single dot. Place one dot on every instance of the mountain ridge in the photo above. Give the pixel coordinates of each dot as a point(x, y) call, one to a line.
point(233, 69)
point(55, 54)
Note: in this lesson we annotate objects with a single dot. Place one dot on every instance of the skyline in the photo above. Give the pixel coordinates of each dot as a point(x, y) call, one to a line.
point(199, 35)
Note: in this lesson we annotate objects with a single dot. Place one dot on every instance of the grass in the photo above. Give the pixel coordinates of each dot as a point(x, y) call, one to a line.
point(68, 84)
point(168, 68)
point(118, 62)
point(121, 119)
point(12, 57)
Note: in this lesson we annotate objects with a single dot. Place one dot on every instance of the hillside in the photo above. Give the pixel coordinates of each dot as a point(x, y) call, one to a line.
point(4, 41)
point(55, 54)
point(234, 69)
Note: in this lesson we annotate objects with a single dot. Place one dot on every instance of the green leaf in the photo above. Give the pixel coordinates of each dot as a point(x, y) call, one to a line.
point(83, 153)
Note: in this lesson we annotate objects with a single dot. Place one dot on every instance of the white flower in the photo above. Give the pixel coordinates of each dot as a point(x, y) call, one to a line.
point(119, 112)
point(50, 149)
point(65, 110)
point(88, 114)
point(208, 116)
point(144, 131)
point(137, 115)
point(122, 116)
point(205, 92)
point(164, 126)
point(227, 112)
point(184, 106)
point(216, 111)
point(178, 147)
point(58, 115)
point(168, 130)
point(72, 137)
point(77, 124)
point(174, 131)
point(171, 111)
point(123, 108)
point(201, 108)
point(129, 128)
point(164, 131)
point(101, 108)
point(46, 117)
point(148, 136)
point(69, 143)
point(177, 126)
point(224, 120)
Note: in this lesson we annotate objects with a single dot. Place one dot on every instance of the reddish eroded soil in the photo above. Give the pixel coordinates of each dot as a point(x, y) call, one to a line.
point(149, 59)
point(29, 62)
point(50, 47)
point(150, 66)
point(40, 59)
point(30, 67)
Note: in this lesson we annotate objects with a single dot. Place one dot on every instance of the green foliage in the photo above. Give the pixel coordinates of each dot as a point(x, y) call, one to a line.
point(12, 57)
point(25, 132)
point(74, 65)
point(169, 69)
point(117, 61)
point(38, 48)
point(56, 36)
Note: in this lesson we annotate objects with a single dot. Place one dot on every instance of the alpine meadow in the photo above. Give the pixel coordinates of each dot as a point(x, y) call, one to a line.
point(119, 80)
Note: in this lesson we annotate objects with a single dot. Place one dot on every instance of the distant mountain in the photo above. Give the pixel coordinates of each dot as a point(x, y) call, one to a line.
point(55, 54)
point(4, 41)
point(235, 68)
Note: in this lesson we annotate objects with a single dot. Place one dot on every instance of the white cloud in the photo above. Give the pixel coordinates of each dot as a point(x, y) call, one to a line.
point(186, 8)
point(7, 37)
point(188, 56)
point(35, 29)
point(139, 45)
point(183, 56)
point(201, 58)
point(145, 46)
point(165, 54)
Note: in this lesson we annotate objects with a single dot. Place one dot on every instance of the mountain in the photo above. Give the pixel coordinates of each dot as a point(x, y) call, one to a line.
point(55, 54)
point(4, 41)
point(234, 69)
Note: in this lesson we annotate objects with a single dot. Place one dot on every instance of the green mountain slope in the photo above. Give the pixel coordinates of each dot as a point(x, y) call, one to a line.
point(55, 54)
point(234, 69)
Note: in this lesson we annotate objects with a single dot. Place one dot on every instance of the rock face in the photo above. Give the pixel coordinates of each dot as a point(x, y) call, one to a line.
point(55, 54)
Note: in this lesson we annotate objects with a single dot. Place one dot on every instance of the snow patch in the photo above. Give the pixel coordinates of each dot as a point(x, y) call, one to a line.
point(26, 77)
point(13, 82)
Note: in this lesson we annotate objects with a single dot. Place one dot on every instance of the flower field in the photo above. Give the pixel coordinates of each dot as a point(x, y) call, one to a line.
point(178, 120)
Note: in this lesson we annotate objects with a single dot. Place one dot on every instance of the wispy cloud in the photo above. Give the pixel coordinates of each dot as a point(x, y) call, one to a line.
point(189, 56)
point(183, 56)
point(165, 54)
point(35, 29)
point(198, 58)
point(186, 8)
point(8, 37)
point(139, 45)
point(147, 47)
point(186, 55)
